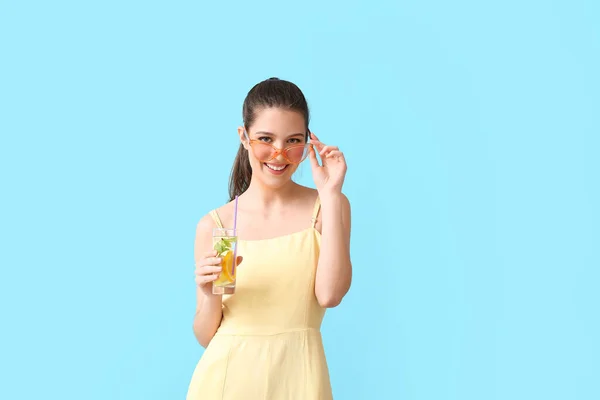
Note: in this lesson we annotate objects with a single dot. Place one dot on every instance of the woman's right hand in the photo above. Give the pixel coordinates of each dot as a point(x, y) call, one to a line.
point(208, 270)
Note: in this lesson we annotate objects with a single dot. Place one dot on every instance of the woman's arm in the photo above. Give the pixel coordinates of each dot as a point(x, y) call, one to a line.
point(334, 270)
point(209, 307)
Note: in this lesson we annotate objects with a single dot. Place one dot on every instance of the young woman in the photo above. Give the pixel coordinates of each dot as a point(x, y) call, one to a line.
point(264, 341)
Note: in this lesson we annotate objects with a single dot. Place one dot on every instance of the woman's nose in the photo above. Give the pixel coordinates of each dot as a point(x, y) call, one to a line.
point(280, 158)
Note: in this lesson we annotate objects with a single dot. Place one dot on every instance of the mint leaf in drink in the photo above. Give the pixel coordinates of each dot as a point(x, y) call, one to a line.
point(221, 247)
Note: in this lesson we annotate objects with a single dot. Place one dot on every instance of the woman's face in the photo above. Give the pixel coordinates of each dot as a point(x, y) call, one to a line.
point(281, 129)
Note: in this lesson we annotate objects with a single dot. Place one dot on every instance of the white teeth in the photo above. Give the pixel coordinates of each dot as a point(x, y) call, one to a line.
point(276, 167)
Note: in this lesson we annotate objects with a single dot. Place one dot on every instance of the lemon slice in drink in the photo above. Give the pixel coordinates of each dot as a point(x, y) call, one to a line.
point(227, 265)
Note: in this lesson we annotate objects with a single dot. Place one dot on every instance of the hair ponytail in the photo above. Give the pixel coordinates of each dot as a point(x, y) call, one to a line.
point(241, 173)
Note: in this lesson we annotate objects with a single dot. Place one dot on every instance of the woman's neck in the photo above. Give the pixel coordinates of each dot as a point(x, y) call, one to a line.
point(259, 194)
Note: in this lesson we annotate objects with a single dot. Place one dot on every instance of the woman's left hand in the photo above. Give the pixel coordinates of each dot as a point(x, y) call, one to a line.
point(328, 177)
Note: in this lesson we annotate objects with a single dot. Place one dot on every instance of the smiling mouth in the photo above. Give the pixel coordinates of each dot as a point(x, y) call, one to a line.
point(275, 167)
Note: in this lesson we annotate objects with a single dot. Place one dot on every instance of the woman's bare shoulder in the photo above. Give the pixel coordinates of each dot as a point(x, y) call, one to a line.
point(225, 212)
point(207, 222)
point(307, 193)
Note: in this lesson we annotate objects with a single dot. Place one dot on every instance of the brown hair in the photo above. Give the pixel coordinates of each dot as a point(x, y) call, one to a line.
point(272, 92)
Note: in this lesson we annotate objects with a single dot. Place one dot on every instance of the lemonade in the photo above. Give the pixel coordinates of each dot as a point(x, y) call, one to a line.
point(224, 242)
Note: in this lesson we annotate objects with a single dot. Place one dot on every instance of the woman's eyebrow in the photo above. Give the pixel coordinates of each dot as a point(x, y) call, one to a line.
point(272, 134)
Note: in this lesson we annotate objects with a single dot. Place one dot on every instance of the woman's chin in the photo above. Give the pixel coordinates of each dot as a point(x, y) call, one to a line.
point(276, 178)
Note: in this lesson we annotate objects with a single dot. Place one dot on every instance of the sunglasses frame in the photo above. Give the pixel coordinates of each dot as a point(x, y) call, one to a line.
point(278, 151)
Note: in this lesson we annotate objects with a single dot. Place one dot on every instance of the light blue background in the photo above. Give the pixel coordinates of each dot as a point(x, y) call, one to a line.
point(471, 133)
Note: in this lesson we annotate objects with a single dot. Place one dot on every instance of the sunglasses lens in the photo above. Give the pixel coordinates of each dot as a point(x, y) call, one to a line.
point(296, 154)
point(263, 151)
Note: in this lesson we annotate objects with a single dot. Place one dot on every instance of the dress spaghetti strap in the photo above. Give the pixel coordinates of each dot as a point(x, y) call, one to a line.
point(216, 218)
point(316, 212)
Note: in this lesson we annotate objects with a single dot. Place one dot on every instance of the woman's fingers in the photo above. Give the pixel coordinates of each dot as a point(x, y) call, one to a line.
point(327, 149)
point(212, 253)
point(206, 270)
point(212, 261)
point(316, 142)
point(312, 154)
point(204, 279)
point(335, 153)
point(209, 261)
point(321, 147)
point(206, 274)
